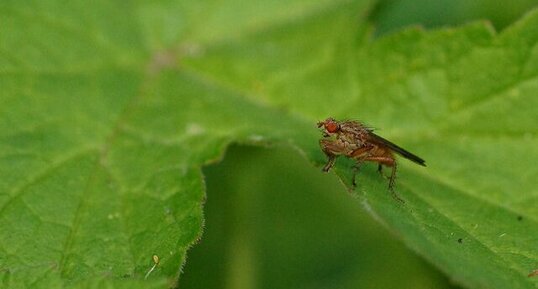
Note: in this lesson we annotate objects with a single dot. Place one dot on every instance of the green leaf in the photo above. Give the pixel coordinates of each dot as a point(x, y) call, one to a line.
point(315, 238)
point(109, 110)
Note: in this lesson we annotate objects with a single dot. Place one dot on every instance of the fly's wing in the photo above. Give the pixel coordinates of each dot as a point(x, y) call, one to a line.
point(377, 139)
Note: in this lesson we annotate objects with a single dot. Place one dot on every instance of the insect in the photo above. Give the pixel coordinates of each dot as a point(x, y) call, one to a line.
point(354, 140)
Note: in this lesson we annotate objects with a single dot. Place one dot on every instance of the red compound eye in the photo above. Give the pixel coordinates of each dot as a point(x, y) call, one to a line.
point(331, 127)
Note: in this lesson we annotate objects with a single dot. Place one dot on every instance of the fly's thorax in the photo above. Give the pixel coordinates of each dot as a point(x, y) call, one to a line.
point(353, 129)
point(351, 138)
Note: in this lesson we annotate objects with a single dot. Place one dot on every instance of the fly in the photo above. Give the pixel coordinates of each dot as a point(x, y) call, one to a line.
point(356, 141)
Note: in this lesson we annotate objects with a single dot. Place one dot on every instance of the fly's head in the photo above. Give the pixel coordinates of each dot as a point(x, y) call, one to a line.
point(329, 127)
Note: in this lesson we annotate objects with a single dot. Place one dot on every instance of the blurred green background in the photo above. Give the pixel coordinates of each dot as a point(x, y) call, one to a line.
point(275, 221)
point(391, 15)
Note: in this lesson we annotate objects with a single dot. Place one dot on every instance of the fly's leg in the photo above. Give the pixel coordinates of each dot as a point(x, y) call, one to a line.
point(391, 184)
point(330, 162)
point(380, 169)
point(359, 155)
point(392, 177)
point(356, 168)
point(331, 149)
point(389, 162)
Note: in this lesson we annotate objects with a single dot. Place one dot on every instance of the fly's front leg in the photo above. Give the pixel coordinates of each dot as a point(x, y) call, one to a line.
point(331, 149)
point(331, 159)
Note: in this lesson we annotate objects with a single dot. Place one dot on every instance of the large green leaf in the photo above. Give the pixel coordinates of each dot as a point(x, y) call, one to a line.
point(108, 111)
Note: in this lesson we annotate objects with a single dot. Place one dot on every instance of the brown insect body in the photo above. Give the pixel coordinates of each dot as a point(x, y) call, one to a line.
point(354, 140)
